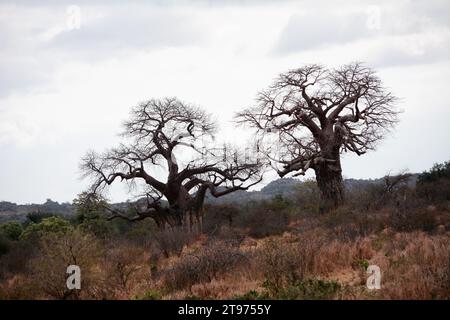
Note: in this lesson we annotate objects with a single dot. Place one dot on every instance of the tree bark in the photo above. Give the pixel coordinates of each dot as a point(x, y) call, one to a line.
point(330, 183)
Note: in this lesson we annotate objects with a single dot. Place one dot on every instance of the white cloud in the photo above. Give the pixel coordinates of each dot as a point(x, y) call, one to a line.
point(404, 32)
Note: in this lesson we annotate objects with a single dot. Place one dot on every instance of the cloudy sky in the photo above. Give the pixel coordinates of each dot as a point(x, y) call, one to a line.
point(70, 71)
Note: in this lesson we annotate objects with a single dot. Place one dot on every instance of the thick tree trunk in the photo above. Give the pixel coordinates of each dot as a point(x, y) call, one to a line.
point(331, 185)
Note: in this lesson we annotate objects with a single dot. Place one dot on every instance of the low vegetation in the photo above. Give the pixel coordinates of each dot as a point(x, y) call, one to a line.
point(278, 249)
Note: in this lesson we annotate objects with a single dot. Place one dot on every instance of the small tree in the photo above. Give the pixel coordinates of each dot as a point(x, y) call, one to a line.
point(91, 214)
point(317, 114)
point(56, 252)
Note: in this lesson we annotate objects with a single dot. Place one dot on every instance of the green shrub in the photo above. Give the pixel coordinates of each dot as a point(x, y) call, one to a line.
point(48, 226)
point(252, 295)
point(310, 289)
point(363, 263)
point(38, 216)
point(149, 295)
point(96, 225)
point(12, 230)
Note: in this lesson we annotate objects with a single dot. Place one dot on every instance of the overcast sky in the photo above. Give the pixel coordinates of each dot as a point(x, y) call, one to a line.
point(71, 70)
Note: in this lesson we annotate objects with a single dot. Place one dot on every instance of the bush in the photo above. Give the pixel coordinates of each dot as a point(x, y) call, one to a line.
point(252, 295)
point(97, 225)
point(217, 216)
point(203, 266)
point(149, 295)
point(38, 216)
point(308, 197)
point(122, 265)
point(435, 191)
point(279, 203)
point(262, 221)
point(48, 226)
point(285, 263)
point(140, 232)
point(16, 256)
point(347, 224)
point(90, 215)
point(229, 235)
point(392, 190)
point(310, 289)
point(57, 251)
point(411, 220)
point(12, 230)
point(172, 241)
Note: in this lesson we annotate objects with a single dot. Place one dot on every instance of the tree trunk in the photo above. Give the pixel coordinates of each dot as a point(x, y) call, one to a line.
point(331, 185)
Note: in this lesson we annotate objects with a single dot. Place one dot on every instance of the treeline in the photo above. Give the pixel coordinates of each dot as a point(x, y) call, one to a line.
point(285, 187)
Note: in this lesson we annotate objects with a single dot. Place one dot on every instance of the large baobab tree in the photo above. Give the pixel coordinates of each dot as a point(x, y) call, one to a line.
point(318, 113)
point(156, 130)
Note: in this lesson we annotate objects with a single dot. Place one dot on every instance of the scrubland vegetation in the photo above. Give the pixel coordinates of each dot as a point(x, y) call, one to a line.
point(278, 249)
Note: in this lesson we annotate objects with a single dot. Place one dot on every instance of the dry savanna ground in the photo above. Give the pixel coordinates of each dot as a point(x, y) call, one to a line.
point(278, 249)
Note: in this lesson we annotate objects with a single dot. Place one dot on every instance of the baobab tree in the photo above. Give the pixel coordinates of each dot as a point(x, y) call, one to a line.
point(155, 130)
point(316, 114)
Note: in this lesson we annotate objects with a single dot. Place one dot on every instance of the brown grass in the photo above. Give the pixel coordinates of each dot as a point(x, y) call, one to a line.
point(328, 253)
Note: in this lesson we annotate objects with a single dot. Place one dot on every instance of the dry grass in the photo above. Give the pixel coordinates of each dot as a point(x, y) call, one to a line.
point(322, 257)
point(203, 265)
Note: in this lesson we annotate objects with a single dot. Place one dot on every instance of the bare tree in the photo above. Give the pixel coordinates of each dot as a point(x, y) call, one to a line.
point(319, 113)
point(155, 130)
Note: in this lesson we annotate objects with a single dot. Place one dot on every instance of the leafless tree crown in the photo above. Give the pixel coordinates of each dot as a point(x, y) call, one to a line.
point(313, 110)
point(156, 129)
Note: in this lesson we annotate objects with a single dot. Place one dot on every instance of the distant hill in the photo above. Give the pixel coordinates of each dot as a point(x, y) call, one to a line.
point(285, 187)
point(13, 211)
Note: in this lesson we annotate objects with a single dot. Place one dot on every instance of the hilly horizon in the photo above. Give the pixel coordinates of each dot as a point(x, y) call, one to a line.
point(285, 187)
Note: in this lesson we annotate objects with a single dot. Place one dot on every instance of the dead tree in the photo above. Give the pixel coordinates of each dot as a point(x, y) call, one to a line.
point(156, 129)
point(317, 114)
